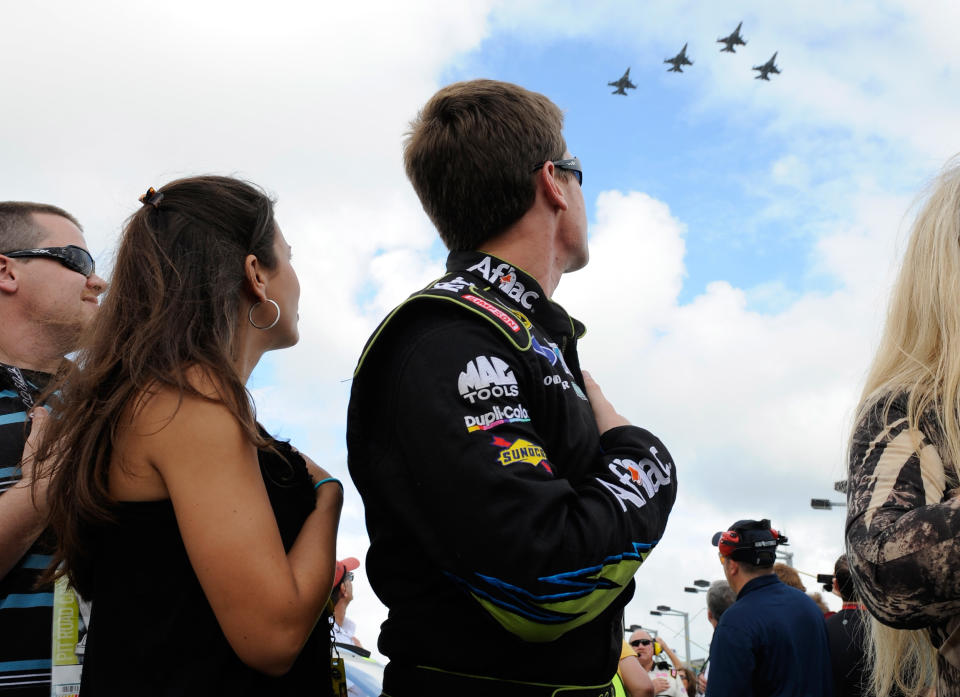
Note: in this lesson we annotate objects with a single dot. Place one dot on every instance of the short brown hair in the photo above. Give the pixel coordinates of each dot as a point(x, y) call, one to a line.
point(18, 229)
point(789, 575)
point(470, 154)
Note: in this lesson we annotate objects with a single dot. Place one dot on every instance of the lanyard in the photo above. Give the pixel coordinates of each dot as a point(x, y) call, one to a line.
point(20, 382)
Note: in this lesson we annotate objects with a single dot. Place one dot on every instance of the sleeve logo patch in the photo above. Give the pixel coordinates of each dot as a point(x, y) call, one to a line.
point(521, 450)
point(486, 377)
point(637, 479)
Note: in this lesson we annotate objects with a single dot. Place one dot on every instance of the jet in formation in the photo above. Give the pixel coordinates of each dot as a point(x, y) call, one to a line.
point(678, 60)
point(623, 84)
point(733, 40)
point(766, 69)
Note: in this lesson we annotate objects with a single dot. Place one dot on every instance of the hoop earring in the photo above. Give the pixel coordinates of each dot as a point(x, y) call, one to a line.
point(266, 326)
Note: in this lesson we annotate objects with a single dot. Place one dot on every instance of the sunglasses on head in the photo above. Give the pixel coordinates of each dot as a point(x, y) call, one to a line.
point(74, 258)
point(638, 642)
point(569, 165)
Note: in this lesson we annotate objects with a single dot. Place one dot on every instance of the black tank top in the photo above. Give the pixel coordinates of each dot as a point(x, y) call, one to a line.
point(152, 631)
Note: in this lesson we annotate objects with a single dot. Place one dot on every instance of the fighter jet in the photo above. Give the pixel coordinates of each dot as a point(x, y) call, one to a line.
point(678, 60)
point(733, 40)
point(766, 69)
point(623, 84)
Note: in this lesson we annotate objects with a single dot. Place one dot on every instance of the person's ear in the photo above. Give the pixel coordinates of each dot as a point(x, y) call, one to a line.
point(8, 276)
point(256, 278)
point(547, 180)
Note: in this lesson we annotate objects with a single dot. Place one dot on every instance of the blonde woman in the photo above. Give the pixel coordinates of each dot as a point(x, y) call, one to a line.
point(903, 526)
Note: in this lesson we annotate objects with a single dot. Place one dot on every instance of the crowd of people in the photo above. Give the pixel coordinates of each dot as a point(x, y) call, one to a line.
point(155, 539)
point(770, 636)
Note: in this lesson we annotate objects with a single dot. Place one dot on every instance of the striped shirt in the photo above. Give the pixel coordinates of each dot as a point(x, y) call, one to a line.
point(26, 613)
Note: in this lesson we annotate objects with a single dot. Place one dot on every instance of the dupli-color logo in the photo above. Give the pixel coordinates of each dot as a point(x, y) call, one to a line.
point(521, 450)
point(497, 416)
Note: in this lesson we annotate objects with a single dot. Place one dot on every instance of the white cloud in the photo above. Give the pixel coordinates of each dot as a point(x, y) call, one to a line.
point(755, 407)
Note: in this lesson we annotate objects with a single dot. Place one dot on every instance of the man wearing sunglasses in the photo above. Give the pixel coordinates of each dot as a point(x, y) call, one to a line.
point(48, 294)
point(665, 678)
point(503, 492)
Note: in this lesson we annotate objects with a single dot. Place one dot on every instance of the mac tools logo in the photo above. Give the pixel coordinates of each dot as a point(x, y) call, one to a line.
point(506, 276)
point(487, 377)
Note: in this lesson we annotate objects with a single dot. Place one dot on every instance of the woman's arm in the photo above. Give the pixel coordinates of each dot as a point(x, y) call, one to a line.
point(265, 600)
point(674, 659)
point(903, 529)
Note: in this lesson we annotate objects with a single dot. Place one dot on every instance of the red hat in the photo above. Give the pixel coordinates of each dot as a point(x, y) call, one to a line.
point(343, 566)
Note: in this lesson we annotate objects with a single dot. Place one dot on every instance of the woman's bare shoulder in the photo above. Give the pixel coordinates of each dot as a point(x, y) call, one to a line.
point(168, 410)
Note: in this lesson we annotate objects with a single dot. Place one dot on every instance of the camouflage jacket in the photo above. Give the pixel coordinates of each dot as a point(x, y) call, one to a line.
point(903, 530)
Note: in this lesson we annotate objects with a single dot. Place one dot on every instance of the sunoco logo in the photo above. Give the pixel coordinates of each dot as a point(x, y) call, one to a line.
point(487, 377)
point(496, 417)
point(521, 450)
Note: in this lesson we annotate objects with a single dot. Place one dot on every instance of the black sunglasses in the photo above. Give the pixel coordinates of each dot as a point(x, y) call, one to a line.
point(570, 165)
point(637, 642)
point(74, 258)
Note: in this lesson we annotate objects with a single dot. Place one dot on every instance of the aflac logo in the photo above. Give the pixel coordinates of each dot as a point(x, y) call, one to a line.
point(486, 377)
point(506, 276)
point(637, 479)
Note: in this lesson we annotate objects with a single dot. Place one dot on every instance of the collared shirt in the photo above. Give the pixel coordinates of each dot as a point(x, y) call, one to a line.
point(771, 642)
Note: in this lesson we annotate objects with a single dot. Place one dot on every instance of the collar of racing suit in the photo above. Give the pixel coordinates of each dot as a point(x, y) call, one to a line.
point(518, 288)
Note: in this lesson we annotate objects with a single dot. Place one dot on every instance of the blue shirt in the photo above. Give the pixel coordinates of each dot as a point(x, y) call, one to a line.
point(771, 642)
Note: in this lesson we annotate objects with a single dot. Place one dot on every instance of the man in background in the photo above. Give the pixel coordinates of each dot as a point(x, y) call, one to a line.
point(344, 629)
point(48, 295)
point(666, 679)
point(719, 598)
point(845, 632)
point(772, 641)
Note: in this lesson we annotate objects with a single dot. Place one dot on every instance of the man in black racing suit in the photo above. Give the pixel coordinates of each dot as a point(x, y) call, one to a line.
point(508, 504)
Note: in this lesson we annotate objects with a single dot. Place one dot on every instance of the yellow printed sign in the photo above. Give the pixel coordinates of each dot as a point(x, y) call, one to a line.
point(66, 614)
point(68, 626)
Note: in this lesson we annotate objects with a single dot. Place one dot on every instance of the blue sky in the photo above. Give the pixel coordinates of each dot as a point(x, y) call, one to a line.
point(744, 234)
point(710, 163)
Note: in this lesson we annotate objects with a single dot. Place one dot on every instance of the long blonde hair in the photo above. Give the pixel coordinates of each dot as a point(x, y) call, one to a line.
point(919, 355)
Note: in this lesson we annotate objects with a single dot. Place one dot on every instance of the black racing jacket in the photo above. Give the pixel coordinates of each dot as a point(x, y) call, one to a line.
point(505, 531)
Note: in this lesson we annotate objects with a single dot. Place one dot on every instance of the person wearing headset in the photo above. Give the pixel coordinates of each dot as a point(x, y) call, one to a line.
point(772, 641)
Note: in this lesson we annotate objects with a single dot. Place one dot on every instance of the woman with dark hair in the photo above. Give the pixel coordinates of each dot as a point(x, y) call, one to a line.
point(689, 679)
point(206, 546)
